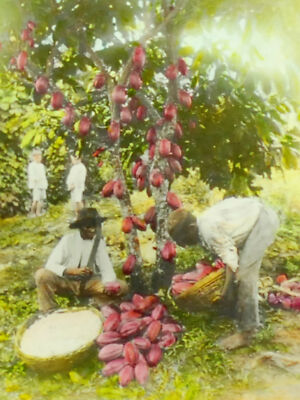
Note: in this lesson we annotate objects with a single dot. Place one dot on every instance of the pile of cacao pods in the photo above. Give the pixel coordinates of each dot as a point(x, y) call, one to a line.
point(135, 334)
point(288, 294)
point(183, 282)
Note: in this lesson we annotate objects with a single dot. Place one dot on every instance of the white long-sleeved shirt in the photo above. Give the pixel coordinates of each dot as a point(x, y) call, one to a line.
point(37, 176)
point(72, 251)
point(226, 225)
point(76, 177)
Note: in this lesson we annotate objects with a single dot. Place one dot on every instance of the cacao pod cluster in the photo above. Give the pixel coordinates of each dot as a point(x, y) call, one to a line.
point(135, 335)
point(183, 282)
point(113, 187)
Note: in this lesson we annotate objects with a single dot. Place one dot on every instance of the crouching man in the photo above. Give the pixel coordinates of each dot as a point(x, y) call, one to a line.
point(237, 230)
point(79, 264)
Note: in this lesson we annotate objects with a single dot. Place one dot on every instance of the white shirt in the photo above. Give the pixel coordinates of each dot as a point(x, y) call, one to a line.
point(76, 177)
point(226, 225)
point(37, 176)
point(72, 251)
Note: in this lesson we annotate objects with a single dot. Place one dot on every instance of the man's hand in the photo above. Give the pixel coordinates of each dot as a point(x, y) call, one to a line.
point(78, 272)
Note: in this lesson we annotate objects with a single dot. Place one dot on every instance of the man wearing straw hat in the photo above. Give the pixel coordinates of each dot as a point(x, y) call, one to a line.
point(238, 230)
point(79, 264)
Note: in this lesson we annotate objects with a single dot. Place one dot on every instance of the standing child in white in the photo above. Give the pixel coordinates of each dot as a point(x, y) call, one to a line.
point(37, 182)
point(76, 183)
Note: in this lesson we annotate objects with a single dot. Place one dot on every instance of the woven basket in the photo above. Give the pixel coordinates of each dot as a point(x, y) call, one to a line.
point(55, 363)
point(204, 293)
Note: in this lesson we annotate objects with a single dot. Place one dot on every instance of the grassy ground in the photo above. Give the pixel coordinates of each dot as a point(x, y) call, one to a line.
point(194, 368)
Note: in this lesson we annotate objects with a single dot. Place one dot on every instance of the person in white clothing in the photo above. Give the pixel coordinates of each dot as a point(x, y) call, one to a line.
point(76, 182)
point(79, 264)
point(37, 182)
point(237, 230)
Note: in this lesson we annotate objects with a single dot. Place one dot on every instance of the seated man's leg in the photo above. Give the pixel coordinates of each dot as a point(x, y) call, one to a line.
point(48, 284)
point(95, 288)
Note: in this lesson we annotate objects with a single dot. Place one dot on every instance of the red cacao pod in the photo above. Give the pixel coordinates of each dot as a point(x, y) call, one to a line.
point(130, 315)
point(177, 278)
point(170, 112)
point(171, 327)
point(142, 343)
point(151, 151)
point(108, 188)
point(22, 60)
point(84, 126)
point(57, 100)
point(114, 131)
point(130, 328)
point(159, 311)
point(141, 113)
point(150, 215)
point(184, 98)
point(146, 321)
point(141, 373)
point(204, 269)
point(107, 311)
point(167, 340)
point(127, 225)
point(131, 353)
point(111, 352)
point(165, 147)
point(112, 288)
point(118, 189)
point(135, 167)
point(69, 117)
point(112, 322)
point(133, 103)
point(99, 81)
point(176, 151)
point(142, 359)
point(139, 57)
point(119, 94)
point(126, 375)
point(139, 224)
point(125, 115)
point(114, 366)
point(127, 306)
point(218, 264)
point(173, 201)
point(182, 67)
point(193, 276)
point(153, 330)
point(171, 72)
point(41, 85)
point(108, 338)
point(98, 151)
point(25, 35)
point(141, 171)
point(135, 80)
point(31, 42)
point(169, 174)
point(168, 252)
point(178, 130)
point(129, 264)
point(141, 183)
point(174, 164)
point(156, 178)
point(154, 355)
point(31, 25)
point(137, 300)
point(151, 135)
point(153, 226)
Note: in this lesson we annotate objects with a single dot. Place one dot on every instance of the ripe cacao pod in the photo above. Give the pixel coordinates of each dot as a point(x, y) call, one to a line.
point(25, 35)
point(130, 328)
point(141, 373)
point(84, 126)
point(31, 42)
point(153, 330)
point(141, 171)
point(41, 85)
point(141, 113)
point(131, 353)
point(180, 287)
point(133, 103)
point(135, 167)
point(111, 352)
point(178, 130)
point(99, 81)
point(135, 80)
point(151, 151)
point(139, 57)
point(150, 215)
point(138, 223)
point(129, 264)
point(127, 225)
point(69, 117)
point(126, 375)
point(118, 189)
point(173, 201)
point(171, 72)
point(154, 355)
point(151, 135)
point(142, 359)
point(193, 276)
point(127, 306)
point(129, 315)
point(142, 343)
point(176, 151)
point(141, 183)
point(119, 94)
point(112, 288)
point(137, 300)
point(156, 178)
point(182, 67)
point(57, 100)
point(22, 60)
point(98, 151)
point(170, 112)
point(146, 321)
point(108, 310)
point(167, 340)
point(169, 174)
point(112, 322)
point(114, 131)
point(31, 25)
point(168, 252)
point(174, 164)
point(165, 147)
point(172, 327)
point(107, 338)
point(108, 188)
point(184, 98)
point(114, 366)
point(158, 312)
point(125, 115)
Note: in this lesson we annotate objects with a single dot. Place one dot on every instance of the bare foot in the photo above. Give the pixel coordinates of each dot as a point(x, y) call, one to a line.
point(239, 339)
